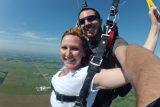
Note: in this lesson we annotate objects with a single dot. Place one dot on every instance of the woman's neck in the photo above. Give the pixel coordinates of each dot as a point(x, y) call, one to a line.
point(65, 71)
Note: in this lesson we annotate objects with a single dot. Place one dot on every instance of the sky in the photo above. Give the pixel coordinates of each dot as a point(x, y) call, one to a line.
point(37, 25)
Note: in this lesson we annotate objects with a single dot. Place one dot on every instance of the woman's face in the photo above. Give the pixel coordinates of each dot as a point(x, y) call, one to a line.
point(71, 52)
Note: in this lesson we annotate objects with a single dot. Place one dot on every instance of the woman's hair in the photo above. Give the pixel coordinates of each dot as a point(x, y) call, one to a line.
point(76, 32)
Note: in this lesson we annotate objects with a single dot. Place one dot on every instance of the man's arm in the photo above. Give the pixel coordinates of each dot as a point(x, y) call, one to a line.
point(151, 41)
point(143, 71)
point(140, 66)
point(154, 30)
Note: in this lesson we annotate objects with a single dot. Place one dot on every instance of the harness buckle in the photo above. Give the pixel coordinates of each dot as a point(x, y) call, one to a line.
point(104, 35)
point(96, 61)
point(78, 104)
point(60, 97)
point(114, 19)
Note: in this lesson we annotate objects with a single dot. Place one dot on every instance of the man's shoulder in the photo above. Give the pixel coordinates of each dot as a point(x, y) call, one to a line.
point(120, 39)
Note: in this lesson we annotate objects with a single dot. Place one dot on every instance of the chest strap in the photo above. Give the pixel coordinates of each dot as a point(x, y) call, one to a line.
point(64, 98)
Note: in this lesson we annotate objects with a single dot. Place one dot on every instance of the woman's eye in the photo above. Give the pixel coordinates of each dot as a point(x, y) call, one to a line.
point(75, 49)
point(63, 47)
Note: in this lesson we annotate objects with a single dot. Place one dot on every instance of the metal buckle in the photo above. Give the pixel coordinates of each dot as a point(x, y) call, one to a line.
point(104, 35)
point(114, 18)
point(78, 104)
point(99, 60)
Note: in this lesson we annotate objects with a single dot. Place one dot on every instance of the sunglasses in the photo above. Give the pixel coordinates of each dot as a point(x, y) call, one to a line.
point(88, 18)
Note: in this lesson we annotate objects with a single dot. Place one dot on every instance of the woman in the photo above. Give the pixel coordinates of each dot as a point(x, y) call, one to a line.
point(75, 56)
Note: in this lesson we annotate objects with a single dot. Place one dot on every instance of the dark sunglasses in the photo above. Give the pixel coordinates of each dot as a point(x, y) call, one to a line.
point(88, 18)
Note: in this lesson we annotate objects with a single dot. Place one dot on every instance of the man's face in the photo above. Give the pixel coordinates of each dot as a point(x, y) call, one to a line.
point(89, 23)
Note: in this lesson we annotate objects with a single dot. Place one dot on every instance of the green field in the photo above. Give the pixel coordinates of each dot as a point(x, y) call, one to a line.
point(25, 73)
point(21, 74)
point(127, 101)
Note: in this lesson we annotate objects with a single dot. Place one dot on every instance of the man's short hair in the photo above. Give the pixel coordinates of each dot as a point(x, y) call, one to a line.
point(96, 12)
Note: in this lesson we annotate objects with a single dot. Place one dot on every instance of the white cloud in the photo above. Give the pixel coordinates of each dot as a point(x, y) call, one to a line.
point(29, 41)
point(30, 35)
point(4, 33)
point(28, 47)
point(37, 36)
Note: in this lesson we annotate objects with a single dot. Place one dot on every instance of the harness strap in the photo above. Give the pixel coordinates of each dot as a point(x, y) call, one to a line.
point(95, 63)
point(114, 8)
point(115, 3)
point(84, 5)
point(92, 69)
point(64, 98)
point(111, 37)
point(150, 4)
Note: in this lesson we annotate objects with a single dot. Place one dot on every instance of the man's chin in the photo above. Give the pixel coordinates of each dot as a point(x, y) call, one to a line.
point(90, 35)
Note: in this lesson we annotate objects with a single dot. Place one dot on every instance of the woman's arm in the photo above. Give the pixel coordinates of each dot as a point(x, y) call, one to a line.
point(109, 79)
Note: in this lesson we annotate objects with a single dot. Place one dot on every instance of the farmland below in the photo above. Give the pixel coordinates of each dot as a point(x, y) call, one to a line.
point(22, 75)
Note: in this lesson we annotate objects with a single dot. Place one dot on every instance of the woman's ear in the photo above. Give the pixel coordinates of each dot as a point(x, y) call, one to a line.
point(84, 54)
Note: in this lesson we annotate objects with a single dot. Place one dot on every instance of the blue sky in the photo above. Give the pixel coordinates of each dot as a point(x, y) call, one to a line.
point(37, 25)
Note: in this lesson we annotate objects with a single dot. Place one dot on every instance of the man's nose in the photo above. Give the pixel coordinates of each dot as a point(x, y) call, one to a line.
point(87, 22)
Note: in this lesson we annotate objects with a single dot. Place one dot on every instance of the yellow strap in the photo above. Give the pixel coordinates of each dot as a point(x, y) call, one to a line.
point(150, 4)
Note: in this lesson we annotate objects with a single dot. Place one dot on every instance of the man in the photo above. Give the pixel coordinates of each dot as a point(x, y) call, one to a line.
point(90, 23)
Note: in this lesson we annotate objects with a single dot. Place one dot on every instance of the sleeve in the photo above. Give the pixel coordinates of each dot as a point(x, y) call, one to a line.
point(118, 41)
point(124, 90)
point(91, 86)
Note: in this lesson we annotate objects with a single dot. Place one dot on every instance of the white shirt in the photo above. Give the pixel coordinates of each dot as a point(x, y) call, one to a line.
point(70, 85)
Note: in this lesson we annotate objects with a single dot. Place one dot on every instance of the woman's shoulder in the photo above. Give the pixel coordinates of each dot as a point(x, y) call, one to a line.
point(84, 68)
